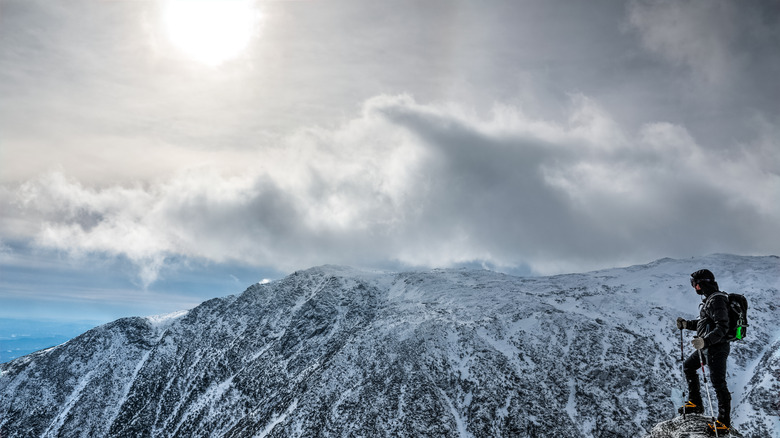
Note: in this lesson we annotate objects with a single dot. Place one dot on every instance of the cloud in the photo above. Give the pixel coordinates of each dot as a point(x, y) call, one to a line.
point(720, 42)
point(433, 185)
point(694, 33)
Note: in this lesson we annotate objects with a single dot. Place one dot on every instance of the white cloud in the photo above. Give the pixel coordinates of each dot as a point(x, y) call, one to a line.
point(431, 184)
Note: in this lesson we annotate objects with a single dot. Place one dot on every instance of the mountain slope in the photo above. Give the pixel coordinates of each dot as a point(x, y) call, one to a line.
point(334, 351)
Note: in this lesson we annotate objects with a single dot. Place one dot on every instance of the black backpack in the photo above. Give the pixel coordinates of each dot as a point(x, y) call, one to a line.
point(738, 322)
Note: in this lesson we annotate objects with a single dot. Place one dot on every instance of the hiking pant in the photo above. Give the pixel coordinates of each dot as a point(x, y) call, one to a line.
point(715, 358)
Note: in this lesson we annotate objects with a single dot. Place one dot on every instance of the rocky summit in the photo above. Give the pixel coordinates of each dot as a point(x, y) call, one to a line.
point(340, 352)
point(690, 426)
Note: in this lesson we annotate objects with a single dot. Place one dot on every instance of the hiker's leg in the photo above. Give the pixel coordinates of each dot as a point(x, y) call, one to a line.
point(717, 358)
point(690, 367)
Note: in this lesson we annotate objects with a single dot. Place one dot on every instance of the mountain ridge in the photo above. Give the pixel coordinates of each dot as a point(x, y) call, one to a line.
point(339, 351)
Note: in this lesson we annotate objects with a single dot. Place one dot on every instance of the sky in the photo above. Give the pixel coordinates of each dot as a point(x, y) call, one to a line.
point(158, 153)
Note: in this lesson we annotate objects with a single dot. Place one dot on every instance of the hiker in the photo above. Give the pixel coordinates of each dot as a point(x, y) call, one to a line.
point(712, 341)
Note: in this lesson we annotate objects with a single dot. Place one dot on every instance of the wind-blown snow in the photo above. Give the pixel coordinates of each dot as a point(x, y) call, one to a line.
point(161, 322)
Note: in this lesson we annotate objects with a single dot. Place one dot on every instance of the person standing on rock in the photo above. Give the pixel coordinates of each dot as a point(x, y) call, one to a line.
point(711, 338)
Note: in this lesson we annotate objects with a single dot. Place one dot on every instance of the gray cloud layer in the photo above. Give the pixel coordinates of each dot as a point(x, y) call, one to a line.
point(433, 185)
point(622, 134)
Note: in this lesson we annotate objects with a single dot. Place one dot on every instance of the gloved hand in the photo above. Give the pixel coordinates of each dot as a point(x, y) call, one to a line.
point(681, 323)
point(698, 343)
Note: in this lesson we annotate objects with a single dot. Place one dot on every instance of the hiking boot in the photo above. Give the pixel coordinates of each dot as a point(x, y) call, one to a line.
point(718, 429)
point(691, 408)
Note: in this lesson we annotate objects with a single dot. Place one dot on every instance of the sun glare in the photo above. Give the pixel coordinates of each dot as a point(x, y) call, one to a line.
point(210, 31)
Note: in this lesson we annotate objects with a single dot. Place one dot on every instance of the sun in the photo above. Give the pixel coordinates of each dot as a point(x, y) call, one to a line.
point(210, 31)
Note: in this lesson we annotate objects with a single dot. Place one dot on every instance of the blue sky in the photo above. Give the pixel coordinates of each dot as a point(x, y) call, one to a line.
point(51, 285)
point(146, 166)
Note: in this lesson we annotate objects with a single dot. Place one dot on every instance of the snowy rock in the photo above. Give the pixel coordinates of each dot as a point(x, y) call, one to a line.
point(334, 351)
point(692, 426)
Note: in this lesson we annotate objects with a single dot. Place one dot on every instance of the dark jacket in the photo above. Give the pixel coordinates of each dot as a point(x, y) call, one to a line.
point(713, 322)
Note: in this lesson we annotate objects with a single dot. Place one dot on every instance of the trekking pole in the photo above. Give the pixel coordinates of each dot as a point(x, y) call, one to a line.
point(707, 388)
point(682, 365)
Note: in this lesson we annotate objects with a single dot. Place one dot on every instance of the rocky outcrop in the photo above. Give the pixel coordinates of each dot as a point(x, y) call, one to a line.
point(692, 426)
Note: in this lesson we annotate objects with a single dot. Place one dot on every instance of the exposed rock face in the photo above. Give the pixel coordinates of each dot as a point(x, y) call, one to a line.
point(692, 426)
point(334, 351)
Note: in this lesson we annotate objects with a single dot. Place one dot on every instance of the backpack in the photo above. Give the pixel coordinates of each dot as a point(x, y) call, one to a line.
point(738, 321)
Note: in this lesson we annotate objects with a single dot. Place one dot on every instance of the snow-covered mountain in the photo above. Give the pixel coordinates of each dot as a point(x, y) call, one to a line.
point(334, 351)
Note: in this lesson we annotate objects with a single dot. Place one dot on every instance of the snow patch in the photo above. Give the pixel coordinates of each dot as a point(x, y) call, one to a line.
point(277, 419)
point(59, 420)
point(459, 421)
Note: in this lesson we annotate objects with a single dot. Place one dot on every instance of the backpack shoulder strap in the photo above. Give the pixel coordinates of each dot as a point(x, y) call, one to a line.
point(718, 293)
point(713, 295)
